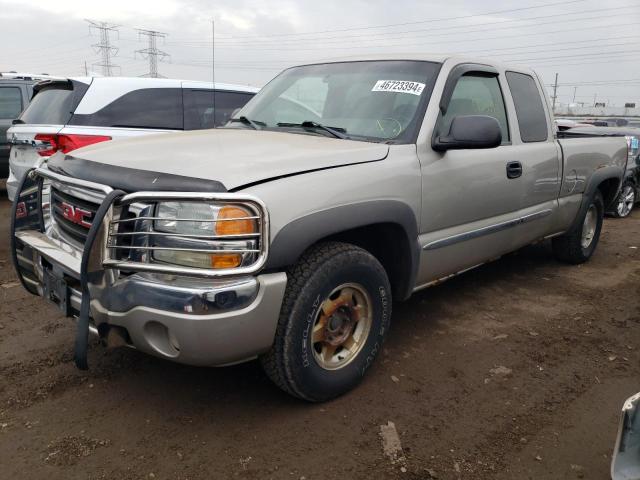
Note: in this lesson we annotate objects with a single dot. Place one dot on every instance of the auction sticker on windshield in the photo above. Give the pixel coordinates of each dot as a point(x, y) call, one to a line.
point(400, 86)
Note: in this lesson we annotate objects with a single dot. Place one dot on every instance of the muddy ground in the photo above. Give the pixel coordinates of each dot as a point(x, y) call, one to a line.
point(516, 370)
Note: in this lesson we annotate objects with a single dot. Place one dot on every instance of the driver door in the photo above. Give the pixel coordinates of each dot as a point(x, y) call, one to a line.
point(468, 201)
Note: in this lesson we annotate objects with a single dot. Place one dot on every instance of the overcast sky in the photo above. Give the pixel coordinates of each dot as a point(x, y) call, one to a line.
point(593, 45)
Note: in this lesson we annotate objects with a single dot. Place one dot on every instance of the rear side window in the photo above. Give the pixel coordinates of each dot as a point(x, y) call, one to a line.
point(50, 106)
point(10, 102)
point(199, 112)
point(145, 108)
point(477, 95)
point(529, 109)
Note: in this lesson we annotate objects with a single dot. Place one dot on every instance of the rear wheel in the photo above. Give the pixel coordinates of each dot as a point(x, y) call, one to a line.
point(625, 201)
point(334, 318)
point(577, 245)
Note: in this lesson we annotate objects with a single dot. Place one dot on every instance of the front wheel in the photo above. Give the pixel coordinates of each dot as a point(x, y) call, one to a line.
point(335, 314)
point(625, 201)
point(577, 245)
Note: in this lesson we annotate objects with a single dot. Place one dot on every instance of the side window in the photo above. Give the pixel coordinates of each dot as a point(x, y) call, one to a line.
point(10, 102)
point(477, 95)
point(227, 103)
point(199, 112)
point(532, 119)
point(145, 108)
point(198, 109)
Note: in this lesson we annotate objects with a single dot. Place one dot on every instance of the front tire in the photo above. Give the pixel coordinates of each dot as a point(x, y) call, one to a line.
point(335, 314)
point(577, 245)
point(625, 201)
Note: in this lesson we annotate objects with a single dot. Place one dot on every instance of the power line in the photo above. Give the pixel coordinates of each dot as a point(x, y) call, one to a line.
point(152, 53)
point(432, 20)
point(394, 35)
point(489, 51)
point(104, 48)
point(422, 44)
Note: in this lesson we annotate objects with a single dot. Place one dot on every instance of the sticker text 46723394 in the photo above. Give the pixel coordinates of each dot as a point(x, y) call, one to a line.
point(400, 86)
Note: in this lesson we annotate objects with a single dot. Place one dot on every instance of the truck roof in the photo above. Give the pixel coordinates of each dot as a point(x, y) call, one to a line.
point(426, 57)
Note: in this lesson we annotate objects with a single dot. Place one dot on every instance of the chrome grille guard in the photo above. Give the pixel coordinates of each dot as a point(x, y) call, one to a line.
point(109, 241)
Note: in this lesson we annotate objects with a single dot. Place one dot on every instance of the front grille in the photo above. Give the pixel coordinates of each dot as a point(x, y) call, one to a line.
point(73, 215)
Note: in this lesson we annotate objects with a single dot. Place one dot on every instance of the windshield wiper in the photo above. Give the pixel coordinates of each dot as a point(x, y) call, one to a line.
point(247, 121)
point(335, 131)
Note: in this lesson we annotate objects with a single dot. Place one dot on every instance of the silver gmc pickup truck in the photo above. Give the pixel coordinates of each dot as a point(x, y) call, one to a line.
point(286, 235)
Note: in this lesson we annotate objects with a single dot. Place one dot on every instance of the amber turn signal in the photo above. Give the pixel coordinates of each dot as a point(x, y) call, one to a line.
point(219, 260)
point(233, 220)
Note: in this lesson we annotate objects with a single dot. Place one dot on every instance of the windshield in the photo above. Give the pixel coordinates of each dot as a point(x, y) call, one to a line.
point(381, 101)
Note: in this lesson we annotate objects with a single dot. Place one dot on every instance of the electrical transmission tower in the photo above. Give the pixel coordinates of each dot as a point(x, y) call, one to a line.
point(151, 52)
point(104, 48)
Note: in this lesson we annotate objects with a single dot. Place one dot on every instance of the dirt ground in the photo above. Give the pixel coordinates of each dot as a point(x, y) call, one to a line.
point(516, 370)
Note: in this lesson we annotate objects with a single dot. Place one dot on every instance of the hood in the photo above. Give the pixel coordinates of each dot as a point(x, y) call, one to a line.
point(233, 157)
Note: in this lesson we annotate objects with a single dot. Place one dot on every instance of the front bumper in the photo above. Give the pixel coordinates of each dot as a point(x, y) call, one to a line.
point(196, 321)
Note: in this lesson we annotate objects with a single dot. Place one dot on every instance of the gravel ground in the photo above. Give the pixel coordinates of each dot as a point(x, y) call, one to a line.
point(515, 370)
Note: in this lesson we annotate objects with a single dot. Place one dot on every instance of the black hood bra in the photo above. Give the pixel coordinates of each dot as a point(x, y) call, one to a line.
point(130, 179)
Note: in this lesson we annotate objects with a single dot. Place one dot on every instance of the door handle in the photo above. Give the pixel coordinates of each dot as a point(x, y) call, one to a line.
point(514, 169)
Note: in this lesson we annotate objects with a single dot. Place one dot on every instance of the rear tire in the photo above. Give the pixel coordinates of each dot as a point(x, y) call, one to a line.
point(577, 245)
point(625, 201)
point(334, 317)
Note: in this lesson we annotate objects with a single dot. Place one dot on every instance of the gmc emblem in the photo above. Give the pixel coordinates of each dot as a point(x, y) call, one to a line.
point(76, 215)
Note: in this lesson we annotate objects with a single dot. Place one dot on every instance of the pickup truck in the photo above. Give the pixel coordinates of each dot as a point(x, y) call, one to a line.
point(286, 235)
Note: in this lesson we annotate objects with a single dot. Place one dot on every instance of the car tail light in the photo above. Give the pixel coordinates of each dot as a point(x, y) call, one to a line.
point(48, 144)
point(52, 143)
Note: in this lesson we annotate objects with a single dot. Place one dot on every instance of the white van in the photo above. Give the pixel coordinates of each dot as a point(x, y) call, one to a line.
point(66, 114)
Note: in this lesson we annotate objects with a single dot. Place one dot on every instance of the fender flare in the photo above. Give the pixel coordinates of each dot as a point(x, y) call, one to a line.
point(609, 172)
point(298, 235)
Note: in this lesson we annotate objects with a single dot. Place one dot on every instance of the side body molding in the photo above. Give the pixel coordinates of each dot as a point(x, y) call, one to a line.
point(298, 235)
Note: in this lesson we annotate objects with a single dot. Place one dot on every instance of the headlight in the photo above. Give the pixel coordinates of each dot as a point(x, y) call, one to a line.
point(193, 226)
point(200, 234)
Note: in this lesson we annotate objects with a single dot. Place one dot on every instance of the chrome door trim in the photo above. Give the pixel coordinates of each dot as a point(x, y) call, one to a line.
point(489, 229)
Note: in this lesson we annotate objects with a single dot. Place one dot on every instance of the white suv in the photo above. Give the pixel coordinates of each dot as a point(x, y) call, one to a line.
point(66, 114)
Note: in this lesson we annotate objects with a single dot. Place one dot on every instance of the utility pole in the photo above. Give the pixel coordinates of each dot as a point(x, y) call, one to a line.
point(575, 89)
point(104, 48)
point(151, 52)
point(555, 93)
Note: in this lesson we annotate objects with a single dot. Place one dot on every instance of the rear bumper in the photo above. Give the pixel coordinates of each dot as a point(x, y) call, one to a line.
point(184, 319)
point(12, 185)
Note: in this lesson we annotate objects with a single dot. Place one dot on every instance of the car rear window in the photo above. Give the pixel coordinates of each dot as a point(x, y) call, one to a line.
point(159, 108)
point(51, 105)
point(198, 107)
point(532, 119)
point(10, 102)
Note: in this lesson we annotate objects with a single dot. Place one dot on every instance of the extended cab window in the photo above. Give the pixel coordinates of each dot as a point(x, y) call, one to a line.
point(145, 108)
point(532, 119)
point(10, 102)
point(477, 95)
point(198, 107)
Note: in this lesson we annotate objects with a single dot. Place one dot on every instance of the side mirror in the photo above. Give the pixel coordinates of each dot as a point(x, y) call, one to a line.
point(469, 131)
